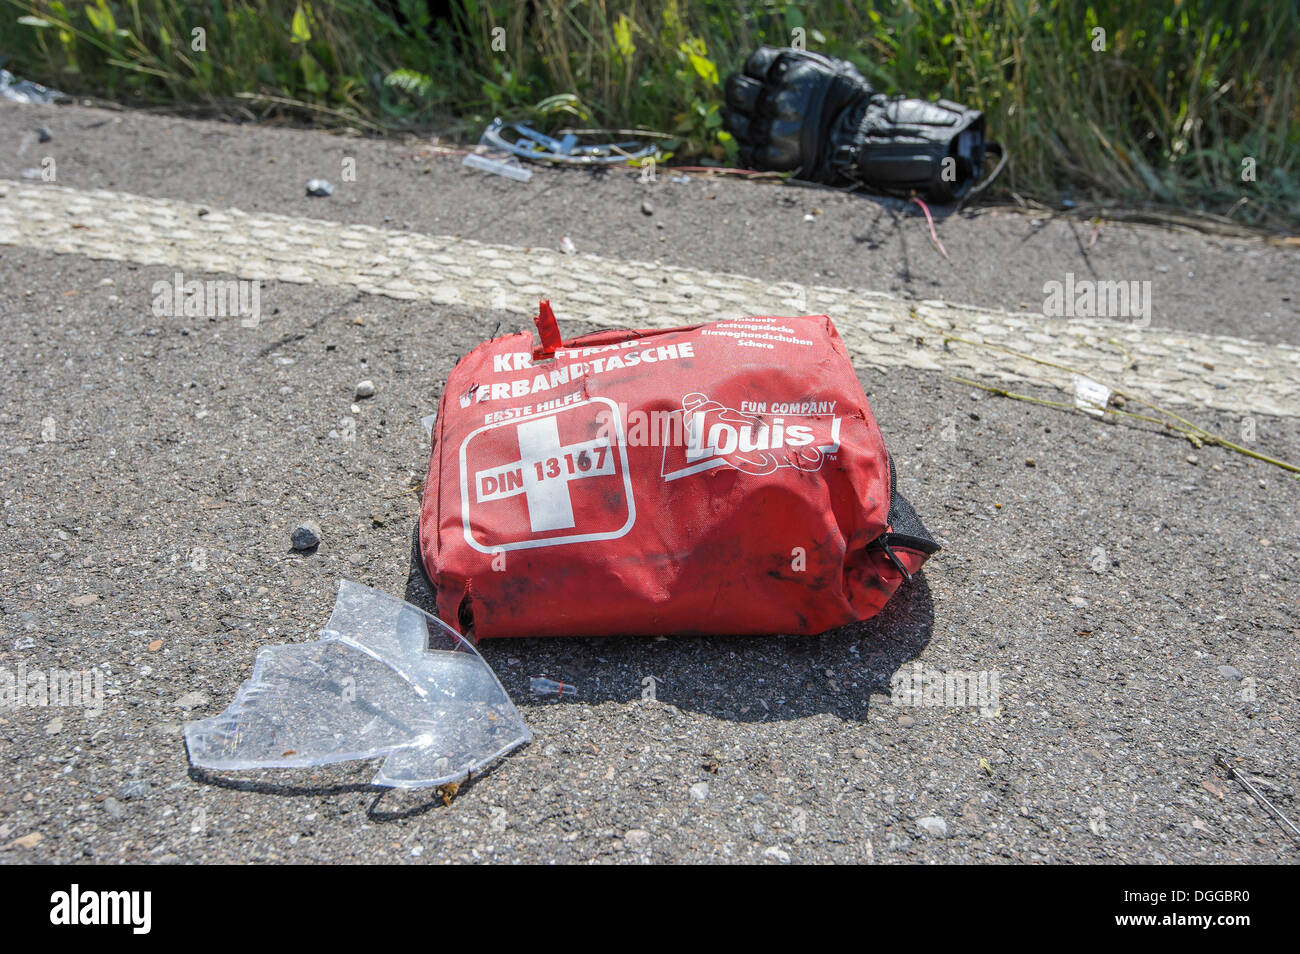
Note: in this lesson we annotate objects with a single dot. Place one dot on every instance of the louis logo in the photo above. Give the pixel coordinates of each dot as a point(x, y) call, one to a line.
point(719, 436)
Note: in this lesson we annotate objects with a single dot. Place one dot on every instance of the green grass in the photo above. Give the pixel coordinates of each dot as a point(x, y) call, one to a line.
point(1184, 97)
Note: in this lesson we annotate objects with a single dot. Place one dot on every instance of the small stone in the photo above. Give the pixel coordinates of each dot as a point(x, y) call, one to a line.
point(193, 700)
point(26, 841)
point(933, 825)
point(906, 721)
point(44, 134)
point(1232, 672)
point(357, 559)
point(779, 855)
point(699, 791)
point(859, 753)
point(84, 600)
point(136, 788)
point(114, 808)
point(647, 207)
point(365, 389)
point(306, 535)
point(1193, 460)
point(319, 188)
point(567, 246)
point(155, 645)
point(636, 837)
point(1030, 462)
point(54, 726)
point(1078, 601)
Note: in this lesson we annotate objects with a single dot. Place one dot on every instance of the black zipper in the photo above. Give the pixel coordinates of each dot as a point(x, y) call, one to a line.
point(901, 512)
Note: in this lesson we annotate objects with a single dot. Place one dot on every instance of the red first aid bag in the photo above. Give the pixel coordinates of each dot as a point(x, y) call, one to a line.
point(726, 478)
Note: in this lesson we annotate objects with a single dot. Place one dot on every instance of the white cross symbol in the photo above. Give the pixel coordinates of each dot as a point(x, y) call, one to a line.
point(543, 472)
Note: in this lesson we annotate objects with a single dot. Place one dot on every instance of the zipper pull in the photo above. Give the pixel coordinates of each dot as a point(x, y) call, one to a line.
point(893, 558)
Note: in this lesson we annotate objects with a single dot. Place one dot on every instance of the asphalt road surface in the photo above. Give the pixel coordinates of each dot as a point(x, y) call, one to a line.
point(1135, 595)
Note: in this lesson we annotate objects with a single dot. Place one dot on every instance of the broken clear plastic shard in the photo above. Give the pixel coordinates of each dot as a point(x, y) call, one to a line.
point(15, 90)
point(508, 167)
point(1090, 396)
point(541, 686)
point(385, 679)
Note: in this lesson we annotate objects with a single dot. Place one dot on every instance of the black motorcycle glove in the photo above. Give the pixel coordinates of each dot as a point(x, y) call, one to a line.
point(818, 117)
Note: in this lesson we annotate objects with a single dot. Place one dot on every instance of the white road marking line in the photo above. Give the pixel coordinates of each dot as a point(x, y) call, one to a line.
point(880, 330)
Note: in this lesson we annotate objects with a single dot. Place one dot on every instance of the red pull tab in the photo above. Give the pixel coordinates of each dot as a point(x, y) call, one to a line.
point(549, 329)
